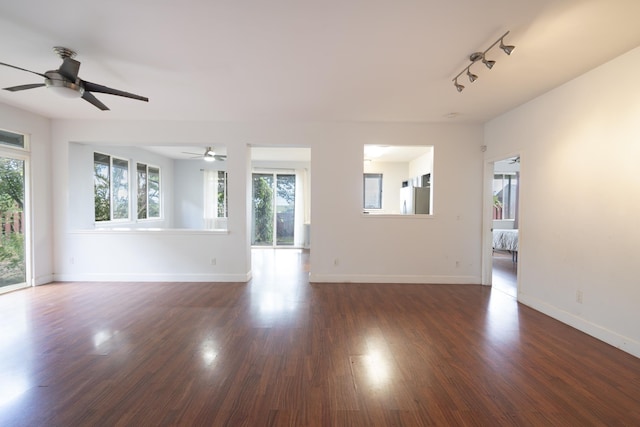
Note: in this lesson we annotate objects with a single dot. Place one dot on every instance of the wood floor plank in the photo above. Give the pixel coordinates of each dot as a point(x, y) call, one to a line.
point(279, 351)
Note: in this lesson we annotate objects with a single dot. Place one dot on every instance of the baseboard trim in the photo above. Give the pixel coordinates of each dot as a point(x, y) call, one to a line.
point(610, 337)
point(404, 279)
point(144, 277)
point(43, 280)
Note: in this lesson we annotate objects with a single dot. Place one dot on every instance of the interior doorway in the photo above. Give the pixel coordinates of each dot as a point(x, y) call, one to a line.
point(14, 273)
point(505, 225)
point(280, 197)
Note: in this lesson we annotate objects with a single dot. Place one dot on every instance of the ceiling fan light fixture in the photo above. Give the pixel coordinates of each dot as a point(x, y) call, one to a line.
point(209, 155)
point(62, 87)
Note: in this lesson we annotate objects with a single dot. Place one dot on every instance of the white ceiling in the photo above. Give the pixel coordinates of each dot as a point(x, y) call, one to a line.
point(300, 60)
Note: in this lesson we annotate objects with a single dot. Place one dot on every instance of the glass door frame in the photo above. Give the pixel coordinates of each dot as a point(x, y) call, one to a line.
point(24, 155)
point(274, 173)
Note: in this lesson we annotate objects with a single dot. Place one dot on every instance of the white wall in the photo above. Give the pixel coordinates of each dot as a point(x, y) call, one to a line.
point(39, 131)
point(348, 246)
point(422, 165)
point(580, 200)
point(445, 248)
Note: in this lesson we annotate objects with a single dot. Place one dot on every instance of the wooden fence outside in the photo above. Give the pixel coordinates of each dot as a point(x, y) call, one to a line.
point(11, 222)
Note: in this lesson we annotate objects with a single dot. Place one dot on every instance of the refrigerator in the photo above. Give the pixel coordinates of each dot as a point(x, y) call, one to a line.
point(415, 200)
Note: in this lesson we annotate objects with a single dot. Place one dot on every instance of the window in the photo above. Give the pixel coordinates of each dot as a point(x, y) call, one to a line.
point(223, 211)
point(111, 187)
point(215, 198)
point(148, 178)
point(372, 198)
point(11, 139)
point(505, 186)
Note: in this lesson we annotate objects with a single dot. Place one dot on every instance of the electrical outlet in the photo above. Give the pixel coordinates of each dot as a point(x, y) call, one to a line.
point(336, 261)
point(213, 261)
point(72, 260)
point(579, 296)
point(457, 264)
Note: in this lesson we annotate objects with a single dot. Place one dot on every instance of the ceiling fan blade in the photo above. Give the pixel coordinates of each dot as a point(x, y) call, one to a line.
point(69, 69)
point(93, 87)
point(24, 87)
point(22, 69)
point(220, 157)
point(92, 99)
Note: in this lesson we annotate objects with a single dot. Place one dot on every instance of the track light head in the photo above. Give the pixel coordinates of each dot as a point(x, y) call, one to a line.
point(472, 77)
point(507, 48)
point(488, 63)
point(459, 87)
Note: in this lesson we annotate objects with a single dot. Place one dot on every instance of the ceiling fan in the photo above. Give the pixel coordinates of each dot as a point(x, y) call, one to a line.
point(208, 156)
point(66, 82)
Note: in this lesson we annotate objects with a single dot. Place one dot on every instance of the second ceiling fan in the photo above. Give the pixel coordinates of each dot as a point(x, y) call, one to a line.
point(208, 156)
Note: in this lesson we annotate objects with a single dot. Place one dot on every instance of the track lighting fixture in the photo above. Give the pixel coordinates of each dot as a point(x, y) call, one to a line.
point(481, 56)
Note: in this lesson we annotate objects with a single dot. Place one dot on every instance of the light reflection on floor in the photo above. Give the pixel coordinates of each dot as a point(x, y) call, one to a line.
point(504, 276)
point(275, 291)
point(14, 364)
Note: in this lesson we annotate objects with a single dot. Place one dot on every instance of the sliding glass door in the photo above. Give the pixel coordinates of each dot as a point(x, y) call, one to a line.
point(273, 209)
point(13, 270)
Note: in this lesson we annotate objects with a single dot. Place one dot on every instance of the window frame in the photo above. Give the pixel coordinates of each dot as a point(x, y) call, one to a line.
point(111, 194)
point(509, 180)
point(371, 176)
point(6, 136)
point(147, 178)
point(225, 194)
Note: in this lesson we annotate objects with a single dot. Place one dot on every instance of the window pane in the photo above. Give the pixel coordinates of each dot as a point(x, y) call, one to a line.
point(222, 194)
point(101, 185)
point(504, 196)
point(142, 190)
point(372, 191)
point(11, 139)
point(285, 208)
point(154, 192)
point(262, 232)
point(120, 189)
point(12, 237)
point(512, 199)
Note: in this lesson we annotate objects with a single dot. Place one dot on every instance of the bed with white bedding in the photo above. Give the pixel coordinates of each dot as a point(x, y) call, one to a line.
point(506, 240)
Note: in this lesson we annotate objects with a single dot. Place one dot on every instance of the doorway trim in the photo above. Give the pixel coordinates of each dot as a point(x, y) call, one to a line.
point(487, 218)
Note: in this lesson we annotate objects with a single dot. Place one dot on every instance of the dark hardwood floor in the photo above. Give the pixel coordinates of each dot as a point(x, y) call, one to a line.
point(281, 351)
point(505, 273)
